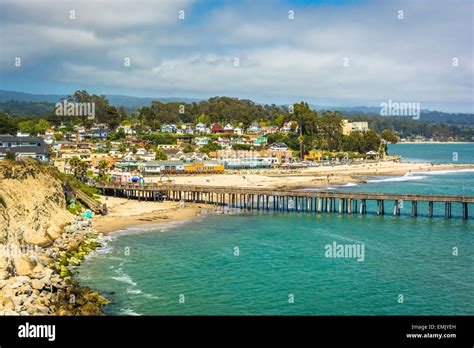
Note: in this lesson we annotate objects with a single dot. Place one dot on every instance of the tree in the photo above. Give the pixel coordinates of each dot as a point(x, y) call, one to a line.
point(307, 123)
point(237, 147)
point(103, 166)
point(188, 149)
point(7, 124)
point(370, 141)
point(41, 127)
point(78, 167)
point(10, 156)
point(160, 156)
point(329, 126)
point(389, 136)
point(26, 126)
point(122, 148)
point(205, 119)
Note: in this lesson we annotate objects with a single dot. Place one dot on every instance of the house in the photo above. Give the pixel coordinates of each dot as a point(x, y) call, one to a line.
point(289, 127)
point(260, 141)
point(316, 156)
point(254, 129)
point(201, 128)
point(190, 156)
point(349, 127)
point(157, 167)
point(228, 129)
point(249, 162)
point(19, 134)
point(201, 141)
point(203, 168)
point(216, 128)
point(184, 139)
point(24, 146)
point(238, 131)
point(270, 130)
point(167, 147)
point(127, 129)
point(279, 147)
point(223, 142)
point(168, 128)
point(98, 133)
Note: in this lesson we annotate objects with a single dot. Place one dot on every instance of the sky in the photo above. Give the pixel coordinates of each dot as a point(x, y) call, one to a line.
point(325, 52)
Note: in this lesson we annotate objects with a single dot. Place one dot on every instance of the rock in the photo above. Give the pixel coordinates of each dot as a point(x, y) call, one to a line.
point(37, 284)
point(23, 265)
point(8, 302)
point(16, 285)
point(23, 279)
point(2, 283)
point(38, 269)
point(8, 312)
point(46, 281)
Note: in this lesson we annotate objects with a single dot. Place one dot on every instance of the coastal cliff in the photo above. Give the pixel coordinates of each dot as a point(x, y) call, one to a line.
point(33, 203)
point(40, 244)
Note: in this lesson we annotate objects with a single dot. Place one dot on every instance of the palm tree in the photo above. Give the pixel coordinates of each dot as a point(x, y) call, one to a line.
point(75, 163)
point(103, 165)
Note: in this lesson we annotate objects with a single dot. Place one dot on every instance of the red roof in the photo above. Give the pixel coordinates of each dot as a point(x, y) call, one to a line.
point(216, 127)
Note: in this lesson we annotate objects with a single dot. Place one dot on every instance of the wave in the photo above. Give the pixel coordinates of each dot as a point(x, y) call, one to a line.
point(124, 278)
point(128, 311)
point(406, 177)
point(446, 171)
point(349, 184)
point(134, 291)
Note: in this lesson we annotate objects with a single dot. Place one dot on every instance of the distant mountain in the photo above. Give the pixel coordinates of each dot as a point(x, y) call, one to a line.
point(116, 100)
point(37, 104)
point(425, 115)
point(6, 96)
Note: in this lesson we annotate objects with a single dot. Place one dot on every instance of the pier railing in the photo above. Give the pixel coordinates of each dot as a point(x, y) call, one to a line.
point(281, 199)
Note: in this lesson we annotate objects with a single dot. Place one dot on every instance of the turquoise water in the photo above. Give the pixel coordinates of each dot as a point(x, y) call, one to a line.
point(282, 256)
point(436, 153)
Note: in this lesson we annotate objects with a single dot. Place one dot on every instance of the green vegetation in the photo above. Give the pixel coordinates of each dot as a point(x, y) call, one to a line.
point(160, 156)
point(160, 138)
point(311, 129)
point(10, 156)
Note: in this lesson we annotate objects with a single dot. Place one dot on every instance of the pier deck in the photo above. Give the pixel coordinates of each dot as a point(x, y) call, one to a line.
point(284, 199)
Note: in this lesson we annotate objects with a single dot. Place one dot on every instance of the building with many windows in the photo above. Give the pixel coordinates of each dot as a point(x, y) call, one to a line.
point(25, 146)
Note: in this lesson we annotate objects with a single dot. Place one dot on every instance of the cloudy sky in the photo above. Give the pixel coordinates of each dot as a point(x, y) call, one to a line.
point(326, 52)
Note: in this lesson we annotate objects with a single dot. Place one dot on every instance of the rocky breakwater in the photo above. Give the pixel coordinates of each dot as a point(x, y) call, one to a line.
point(40, 246)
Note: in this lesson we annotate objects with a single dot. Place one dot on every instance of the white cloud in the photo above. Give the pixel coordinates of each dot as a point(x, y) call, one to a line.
point(280, 59)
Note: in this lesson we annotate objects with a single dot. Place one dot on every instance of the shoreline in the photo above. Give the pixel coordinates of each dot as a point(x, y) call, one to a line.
point(433, 142)
point(125, 214)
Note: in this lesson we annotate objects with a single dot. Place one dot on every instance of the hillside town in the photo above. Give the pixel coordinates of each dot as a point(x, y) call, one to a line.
point(176, 149)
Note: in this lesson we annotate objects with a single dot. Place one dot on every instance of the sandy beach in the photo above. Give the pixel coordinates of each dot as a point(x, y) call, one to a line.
point(123, 213)
point(313, 176)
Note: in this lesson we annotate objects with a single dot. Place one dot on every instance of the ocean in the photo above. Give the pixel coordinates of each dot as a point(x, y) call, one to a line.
point(268, 263)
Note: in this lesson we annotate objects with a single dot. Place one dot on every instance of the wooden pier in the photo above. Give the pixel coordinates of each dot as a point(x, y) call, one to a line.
point(286, 200)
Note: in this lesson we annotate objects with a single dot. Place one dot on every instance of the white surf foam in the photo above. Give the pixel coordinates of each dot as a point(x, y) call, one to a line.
point(124, 278)
point(406, 177)
point(128, 311)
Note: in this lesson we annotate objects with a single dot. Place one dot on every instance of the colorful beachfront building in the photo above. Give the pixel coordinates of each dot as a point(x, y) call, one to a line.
point(180, 167)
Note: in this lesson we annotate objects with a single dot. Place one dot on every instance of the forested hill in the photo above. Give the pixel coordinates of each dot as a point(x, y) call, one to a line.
point(18, 103)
